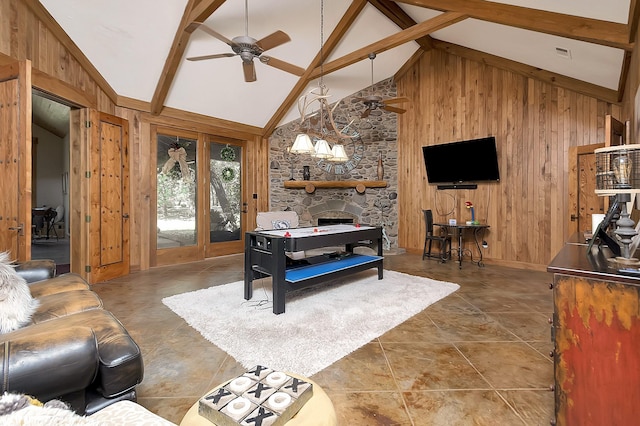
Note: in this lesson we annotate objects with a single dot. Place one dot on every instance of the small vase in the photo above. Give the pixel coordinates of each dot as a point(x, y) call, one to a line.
point(380, 168)
point(306, 174)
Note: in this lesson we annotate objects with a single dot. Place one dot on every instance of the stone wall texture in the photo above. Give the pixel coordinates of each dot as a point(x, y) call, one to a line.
point(375, 206)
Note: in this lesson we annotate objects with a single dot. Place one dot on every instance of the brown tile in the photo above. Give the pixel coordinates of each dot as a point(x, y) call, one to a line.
point(370, 408)
point(365, 369)
point(427, 366)
point(509, 365)
point(530, 326)
point(462, 407)
point(486, 319)
point(534, 406)
point(470, 327)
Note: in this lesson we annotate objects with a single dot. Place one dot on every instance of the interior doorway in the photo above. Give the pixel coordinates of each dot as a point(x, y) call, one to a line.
point(50, 180)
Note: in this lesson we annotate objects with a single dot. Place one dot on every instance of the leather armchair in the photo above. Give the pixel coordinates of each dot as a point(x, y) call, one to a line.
point(74, 350)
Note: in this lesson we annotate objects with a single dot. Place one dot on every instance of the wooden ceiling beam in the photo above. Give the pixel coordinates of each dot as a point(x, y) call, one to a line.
point(575, 27)
point(195, 11)
point(394, 40)
point(634, 15)
point(340, 30)
point(555, 79)
point(399, 17)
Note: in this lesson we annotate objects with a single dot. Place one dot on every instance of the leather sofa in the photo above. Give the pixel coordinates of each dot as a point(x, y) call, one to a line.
point(74, 350)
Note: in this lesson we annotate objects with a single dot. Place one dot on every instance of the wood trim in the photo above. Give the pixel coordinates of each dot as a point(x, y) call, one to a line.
point(585, 29)
point(43, 15)
point(179, 45)
point(624, 73)
point(634, 16)
point(399, 17)
point(549, 77)
point(59, 89)
point(394, 40)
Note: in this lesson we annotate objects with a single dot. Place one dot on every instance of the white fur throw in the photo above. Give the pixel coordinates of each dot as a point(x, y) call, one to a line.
point(16, 304)
point(22, 410)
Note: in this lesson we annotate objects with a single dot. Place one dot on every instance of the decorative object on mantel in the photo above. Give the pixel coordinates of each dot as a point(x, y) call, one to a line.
point(380, 167)
point(618, 173)
point(306, 174)
point(311, 185)
point(331, 142)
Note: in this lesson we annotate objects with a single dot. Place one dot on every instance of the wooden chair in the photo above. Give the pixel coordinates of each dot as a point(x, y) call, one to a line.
point(442, 238)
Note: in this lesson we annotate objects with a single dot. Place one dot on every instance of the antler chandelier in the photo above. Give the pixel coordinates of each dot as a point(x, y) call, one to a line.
point(315, 136)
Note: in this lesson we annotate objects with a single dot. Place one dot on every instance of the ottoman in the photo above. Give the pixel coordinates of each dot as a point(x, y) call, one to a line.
point(317, 411)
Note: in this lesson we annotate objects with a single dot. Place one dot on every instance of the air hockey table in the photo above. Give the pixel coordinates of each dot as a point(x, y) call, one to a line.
point(265, 255)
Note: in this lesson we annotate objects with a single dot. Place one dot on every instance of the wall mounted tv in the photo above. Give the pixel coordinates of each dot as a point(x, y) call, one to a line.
point(460, 165)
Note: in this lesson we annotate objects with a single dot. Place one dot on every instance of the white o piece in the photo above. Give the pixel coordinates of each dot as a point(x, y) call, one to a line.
point(280, 400)
point(238, 406)
point(276, 379)
point(240, 384)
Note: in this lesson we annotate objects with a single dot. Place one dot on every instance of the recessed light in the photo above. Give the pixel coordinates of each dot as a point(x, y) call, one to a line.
point(564, 53)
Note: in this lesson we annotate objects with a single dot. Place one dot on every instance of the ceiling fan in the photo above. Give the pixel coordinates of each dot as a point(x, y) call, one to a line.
point(249, 48)
point(373, 101)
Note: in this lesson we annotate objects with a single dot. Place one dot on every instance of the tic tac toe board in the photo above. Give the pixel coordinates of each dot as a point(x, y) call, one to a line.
point(258, 397)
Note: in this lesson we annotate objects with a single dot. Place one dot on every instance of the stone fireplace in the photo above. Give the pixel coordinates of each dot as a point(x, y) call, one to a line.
point(374, 206)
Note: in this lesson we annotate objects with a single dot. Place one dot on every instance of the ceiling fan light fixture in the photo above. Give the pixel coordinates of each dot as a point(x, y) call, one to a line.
point(302, 145)
point(322, 149)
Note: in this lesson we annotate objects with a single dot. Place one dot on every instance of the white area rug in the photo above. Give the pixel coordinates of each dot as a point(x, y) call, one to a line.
point(321, 324)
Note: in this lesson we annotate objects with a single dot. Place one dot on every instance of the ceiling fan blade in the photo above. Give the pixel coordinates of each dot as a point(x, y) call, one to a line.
point(249, 70)
point(273, 40)
point(213, 33)
point(366, 113)
point(395, 100)
point(394, 109)
point(282, 65)
point(216, 56)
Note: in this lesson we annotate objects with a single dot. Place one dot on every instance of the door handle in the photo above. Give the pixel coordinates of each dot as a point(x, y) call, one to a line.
point(18, 228)
point(125, 216)
point(244, 207)
point(574, 218)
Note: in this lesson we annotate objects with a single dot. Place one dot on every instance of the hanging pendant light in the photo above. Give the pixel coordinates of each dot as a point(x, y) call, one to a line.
point(322, 149)
point(302, 145)
point(339, 154)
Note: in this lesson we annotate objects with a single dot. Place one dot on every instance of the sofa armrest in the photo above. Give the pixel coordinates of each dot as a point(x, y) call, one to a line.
point(59, 284)
point(59, 305)
point(48, 364)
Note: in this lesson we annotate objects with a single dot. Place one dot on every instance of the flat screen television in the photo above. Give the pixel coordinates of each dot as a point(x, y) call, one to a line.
point(462, 164)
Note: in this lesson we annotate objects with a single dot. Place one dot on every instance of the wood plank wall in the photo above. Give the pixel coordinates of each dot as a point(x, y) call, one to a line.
point(24, 36)
point(534, 124)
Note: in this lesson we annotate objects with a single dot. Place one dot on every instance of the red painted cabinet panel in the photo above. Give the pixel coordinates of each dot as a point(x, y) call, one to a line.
point(597, 351)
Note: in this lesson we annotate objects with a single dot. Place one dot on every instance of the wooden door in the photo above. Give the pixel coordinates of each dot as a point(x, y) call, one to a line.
point(100, 195)
point(583, 201)
point(15, 160)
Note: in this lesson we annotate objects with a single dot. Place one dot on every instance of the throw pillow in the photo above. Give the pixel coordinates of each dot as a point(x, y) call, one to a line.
point(16, 303)
point(280, 224)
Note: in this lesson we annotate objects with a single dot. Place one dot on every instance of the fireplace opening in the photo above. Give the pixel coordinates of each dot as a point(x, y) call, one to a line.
point(333, 220)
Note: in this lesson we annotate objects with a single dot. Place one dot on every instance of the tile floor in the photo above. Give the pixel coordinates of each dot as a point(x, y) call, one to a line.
point(477, 357)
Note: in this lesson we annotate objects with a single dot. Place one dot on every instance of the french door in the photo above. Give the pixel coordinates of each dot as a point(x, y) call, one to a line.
point(199, 196)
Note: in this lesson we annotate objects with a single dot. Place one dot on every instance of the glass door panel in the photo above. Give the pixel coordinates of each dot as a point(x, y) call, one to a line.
point(176, 192)
point(225, 193)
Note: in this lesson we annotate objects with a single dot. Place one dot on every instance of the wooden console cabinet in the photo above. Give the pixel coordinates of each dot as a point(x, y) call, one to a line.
point(596, 333)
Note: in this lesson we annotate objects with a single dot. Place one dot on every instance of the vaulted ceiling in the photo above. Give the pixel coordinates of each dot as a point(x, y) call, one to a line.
point(139, 48)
